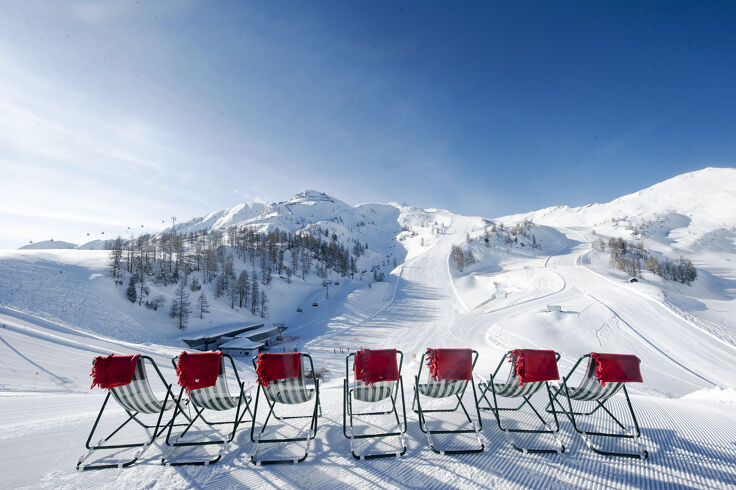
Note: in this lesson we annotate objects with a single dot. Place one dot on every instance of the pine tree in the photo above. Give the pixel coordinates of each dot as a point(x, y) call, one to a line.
point(143, 290)
point(234, 294)
point(243, 288)
point(264, 304)
point(652, 265)
point(254, 294)
point(181, 306)
point(306, 263)
point(116, 257)
point(131, 293)
point(203, 305)
point(458, 257)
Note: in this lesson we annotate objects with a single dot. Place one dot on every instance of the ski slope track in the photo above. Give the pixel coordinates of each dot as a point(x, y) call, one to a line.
point(683, 334)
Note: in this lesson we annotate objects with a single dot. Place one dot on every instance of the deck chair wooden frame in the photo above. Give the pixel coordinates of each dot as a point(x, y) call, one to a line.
point(591, 390)
point(290, 391)
point(136, 399)
point(512, 389)
point(215, 398)
point(444, 389)
point(375, 393)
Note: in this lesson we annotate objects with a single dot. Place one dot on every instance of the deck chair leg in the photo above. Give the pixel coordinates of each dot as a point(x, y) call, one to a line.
point(547, 430)
point(642, 454)
point(484, 397)
point(613, 417)
point(554, 413)
point(550, 407)
point(223, 443)
point(416, 403)
point(401, 429)
point(424, 428)
point(345, 408)
point(467, 415)
point(311, 430)
point(144, 445)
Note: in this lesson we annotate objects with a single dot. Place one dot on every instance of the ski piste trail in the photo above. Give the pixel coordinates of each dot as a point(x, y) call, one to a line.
point(690, 442)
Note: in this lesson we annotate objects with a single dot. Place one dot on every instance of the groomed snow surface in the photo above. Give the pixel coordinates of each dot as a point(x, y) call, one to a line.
point(684, 336)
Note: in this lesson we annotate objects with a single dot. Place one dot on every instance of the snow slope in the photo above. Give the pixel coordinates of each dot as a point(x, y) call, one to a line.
point(48, 245)
point(685, 405)
point(688, 206)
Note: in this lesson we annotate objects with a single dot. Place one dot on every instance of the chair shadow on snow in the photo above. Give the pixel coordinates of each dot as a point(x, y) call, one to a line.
point(674, 462)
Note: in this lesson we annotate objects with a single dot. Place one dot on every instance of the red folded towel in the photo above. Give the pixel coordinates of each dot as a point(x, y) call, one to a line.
point(198, 370)
point(450, 364)
point(535, 365)
point(616, 368)
point(372, 366)
point(272, 367)
point(113, 370)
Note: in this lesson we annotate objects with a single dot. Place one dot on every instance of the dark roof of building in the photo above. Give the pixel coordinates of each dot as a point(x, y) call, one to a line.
point(241, 343)
point(232, 330)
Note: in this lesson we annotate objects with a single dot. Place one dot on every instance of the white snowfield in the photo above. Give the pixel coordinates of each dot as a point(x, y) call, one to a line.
point(58, 312)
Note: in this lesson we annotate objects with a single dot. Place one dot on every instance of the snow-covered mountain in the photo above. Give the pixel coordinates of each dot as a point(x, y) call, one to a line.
point(685, 208)
point(459, 281)
point(302, 209)
point(307, 211)
point(61, 245)
point(48, 245)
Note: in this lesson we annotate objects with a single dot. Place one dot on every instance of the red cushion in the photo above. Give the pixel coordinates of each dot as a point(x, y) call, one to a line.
point(275, 366)
point(535, 365)
point(198, 370)
point(113, 370)
point(616, 368)
point(450, 364)
point(372, 366)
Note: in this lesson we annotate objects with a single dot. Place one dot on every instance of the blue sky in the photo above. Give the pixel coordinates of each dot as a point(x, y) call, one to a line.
point(116, 114)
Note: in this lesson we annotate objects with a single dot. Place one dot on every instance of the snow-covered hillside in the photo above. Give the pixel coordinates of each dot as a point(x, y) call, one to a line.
point(684, 209)
point(59, 310)
point(48, 245)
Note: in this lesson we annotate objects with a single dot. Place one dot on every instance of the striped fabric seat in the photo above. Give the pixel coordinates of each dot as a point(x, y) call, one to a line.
point(512, 389)
point(590, 389)
point(373, 393)
point(443, 388)
point(288, 391)
point(215, 397)
point(138, 396)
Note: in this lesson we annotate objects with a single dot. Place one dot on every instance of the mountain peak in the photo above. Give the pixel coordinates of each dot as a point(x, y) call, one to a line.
point(311, 197)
